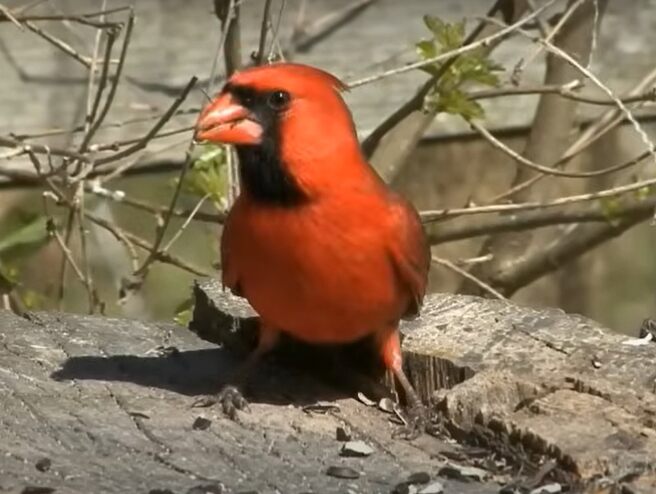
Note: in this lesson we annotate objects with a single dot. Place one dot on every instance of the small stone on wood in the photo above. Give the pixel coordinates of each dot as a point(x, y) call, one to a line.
point(548, 489)
point(418, 478)
point(462, 472)
point(35, 489)
point(340, 472)
point(364, 399)
point(386, 405)
point(356, 448)
point(432, 488)
point(201, 424)
point(208, 489)
point(43, 464)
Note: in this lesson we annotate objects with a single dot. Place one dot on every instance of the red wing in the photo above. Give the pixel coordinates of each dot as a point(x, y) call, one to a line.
point(410, 252)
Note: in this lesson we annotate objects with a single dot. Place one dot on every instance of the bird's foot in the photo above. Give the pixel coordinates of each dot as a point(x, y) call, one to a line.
point(230, 398)
point(416, 421)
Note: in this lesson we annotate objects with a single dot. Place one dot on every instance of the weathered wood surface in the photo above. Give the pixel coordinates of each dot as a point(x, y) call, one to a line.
point(539, 386)
point(99, 405)
point(561, 386)
point(103, 405)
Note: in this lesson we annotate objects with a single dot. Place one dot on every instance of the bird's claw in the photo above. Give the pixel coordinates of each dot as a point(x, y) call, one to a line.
point(230, 398)
point(416, 421)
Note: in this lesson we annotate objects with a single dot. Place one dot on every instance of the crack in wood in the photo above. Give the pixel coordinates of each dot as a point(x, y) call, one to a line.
point(546, 343)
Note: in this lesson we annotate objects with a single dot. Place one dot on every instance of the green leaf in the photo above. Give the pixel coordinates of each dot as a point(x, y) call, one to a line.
point(209, 152)
point(434, 24)
point(8, 278)
point(474, 67)
point(184, 312)
point(24, 240)
point(644, 192)
point(208, 175)
point(610, 206)
point(426, 49)
point(451, 36)
point(183, 318)
point(32, 300)
point(456, 102)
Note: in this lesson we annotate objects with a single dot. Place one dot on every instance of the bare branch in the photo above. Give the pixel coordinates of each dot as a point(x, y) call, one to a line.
point(529, 220)
point(228, 13)
point(408, 123)
point(259, 56)
point(481, 43)
point(6, 15)
point(462, 272)
point(305, 37)
point(564, 90)
point(159, 256)
point(644, 185)
point(547, 170)
point(590, 134)
point(62, 45)
point(120, 198)
point(114, 85)
point(548, 138)
point(577, 242)
point(143, 142)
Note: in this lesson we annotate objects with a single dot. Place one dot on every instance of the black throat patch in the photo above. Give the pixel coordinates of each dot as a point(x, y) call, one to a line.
point(262, 172)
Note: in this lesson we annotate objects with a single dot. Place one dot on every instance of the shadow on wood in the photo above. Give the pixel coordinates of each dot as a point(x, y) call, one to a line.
point(117, 419)
point(537, 386)
point(93, 404)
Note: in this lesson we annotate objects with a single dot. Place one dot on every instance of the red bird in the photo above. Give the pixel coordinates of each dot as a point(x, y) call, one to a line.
point(316, 242)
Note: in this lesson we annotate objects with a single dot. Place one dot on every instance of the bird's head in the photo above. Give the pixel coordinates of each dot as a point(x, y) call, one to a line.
point(291, 128)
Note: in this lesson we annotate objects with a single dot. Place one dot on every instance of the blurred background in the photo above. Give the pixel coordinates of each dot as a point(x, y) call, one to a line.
point(45, 93)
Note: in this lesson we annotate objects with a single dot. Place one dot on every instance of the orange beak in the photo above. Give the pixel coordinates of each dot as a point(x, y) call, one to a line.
point(226, 121)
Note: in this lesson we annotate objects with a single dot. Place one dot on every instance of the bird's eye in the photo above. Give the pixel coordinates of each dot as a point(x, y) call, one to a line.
point(278, 100)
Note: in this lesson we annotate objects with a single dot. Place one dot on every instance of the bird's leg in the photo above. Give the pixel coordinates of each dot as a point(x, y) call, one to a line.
point(230, 396)
point(390, 348)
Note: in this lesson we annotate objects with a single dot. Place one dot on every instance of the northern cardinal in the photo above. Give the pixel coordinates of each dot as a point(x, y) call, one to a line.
point(316, 242)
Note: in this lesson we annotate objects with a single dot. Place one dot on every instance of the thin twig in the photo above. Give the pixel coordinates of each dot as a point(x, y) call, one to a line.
point(6, 15)
point(275, 41)
point(42, 149)
point(228, 15)
point(592, 133)
point(167, 218)
point(114, 85)
point(547, 170)
point(565, 249)
point(91, 110)
point(129, 238)
point(305, 37)
point(465, 274)
point(574, 63)
point(259, 56)
point(191, 216)
point(63, 245)
point(225, 27)
point(505, 31)
point(62, 45)
point(416, 102)
point(556, 29)
point(117, 124)
point(159, 256)
point(143, 142)
point(529, 220)
point(565, 90)
point(435, 215)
